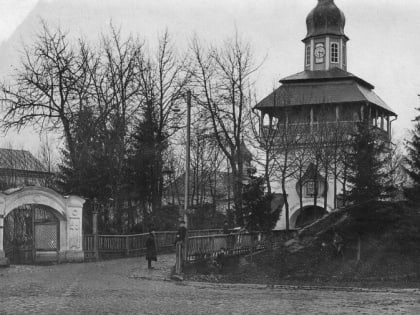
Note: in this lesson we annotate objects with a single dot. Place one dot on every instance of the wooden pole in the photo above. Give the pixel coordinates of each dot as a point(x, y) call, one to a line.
point(187, 160)
point(95, 229)
point(178, 263)
point(127, 246)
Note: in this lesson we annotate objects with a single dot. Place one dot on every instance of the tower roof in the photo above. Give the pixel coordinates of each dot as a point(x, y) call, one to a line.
point(335, 86)
point(325, 19)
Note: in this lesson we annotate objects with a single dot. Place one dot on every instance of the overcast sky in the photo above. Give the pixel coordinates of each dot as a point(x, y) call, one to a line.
point(383, 48)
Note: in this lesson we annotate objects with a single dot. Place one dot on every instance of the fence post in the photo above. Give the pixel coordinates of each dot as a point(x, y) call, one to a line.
point(95, 233)
point(178, 263)
point(127, 246)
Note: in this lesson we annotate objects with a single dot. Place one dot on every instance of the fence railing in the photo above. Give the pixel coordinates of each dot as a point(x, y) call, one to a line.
point(117, 246)
point(192, 233)
point(201, 244)
point(211, 246)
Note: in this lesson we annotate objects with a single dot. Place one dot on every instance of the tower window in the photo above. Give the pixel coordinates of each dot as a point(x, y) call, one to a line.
point(344, 55)
point(308, 56)
point(334, 52)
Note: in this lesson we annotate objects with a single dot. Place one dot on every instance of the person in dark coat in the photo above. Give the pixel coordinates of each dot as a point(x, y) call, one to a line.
point(151, 254)
point(180, 239)
point(182, 232)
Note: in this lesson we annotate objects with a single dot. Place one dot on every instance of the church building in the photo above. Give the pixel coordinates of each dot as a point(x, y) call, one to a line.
point(323, 101)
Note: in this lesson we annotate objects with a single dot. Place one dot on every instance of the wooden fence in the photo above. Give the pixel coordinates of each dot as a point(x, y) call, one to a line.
point(118, 246)
point(211, 246)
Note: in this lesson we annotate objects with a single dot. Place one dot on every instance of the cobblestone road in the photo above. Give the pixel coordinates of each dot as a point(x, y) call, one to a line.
point(126, 287)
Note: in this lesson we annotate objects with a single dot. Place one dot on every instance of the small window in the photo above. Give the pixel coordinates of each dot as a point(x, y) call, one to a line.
point(308, 55)
point(266, 120)
point(310, 189)
point(344, 55)
point(334, 52)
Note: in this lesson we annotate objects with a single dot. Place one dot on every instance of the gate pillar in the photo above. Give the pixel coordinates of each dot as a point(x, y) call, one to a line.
point(1, 235)
point(3, 260)
point(74, 229)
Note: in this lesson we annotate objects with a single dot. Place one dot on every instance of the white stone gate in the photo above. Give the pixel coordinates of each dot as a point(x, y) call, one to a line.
point(68, 211)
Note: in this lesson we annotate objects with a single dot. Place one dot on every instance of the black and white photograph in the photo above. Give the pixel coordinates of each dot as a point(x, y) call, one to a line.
point(209, 157)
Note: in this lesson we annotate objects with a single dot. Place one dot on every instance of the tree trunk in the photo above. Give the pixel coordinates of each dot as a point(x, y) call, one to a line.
point(300, 189)
point(316, 184)
point(325, 187)
point(344, 185)
point(335, 183)
point(266, 171)
point(286, 203)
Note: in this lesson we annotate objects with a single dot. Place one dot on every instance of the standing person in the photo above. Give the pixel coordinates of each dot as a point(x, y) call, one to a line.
point(229, 239)
point(338, 244)
point(150, 250)
point(226, 228)
point(180, 245)
point(182, 232)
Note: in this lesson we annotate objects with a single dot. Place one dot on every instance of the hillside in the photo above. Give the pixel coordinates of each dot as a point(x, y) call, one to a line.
point(389, 236)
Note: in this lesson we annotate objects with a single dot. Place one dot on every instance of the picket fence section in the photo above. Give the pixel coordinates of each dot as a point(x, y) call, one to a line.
point(118, 246)
point(212, 246)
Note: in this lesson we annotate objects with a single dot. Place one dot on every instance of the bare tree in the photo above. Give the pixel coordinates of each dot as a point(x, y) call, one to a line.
point(264, 133)
point(290, 137)
point(394, 168)
point(48, 157)
point(48, 87)
point(223, 79)
point(301, 160)
point(163, 78)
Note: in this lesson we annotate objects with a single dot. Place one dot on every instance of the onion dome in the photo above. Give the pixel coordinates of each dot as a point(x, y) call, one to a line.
point(325, 19)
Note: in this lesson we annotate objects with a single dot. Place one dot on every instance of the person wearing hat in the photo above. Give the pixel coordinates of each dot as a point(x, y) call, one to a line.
point(151, 253)
point(182, 232)
point(180, 239)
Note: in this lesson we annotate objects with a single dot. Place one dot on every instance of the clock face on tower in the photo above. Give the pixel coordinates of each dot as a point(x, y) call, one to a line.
point(319, 53)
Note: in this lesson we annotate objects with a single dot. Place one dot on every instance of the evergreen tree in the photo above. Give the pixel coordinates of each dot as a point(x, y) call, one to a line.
point(365, 166)
point(145, 162)
point(257, 206)
point(87, 172)
point(413, 162)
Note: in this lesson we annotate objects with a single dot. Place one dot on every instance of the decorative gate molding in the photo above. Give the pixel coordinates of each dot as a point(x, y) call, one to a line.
point(68, 210)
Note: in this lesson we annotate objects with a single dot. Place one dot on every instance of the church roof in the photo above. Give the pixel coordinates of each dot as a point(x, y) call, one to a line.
point(322, 87)
point(325, 19)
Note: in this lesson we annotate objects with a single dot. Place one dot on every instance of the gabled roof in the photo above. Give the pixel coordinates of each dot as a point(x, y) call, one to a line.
point(311, 173)
point(322, 87)
point(20, 160)
point(222, 180)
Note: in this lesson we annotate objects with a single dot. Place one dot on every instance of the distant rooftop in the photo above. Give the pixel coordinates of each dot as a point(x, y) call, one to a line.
point(21, 160)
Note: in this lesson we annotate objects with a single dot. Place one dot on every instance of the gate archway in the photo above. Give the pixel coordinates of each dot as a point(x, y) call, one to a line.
point(31, 234)
point(45, 225)
point(307, 215)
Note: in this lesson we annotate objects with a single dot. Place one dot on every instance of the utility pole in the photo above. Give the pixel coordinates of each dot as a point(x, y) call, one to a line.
point(187, 159)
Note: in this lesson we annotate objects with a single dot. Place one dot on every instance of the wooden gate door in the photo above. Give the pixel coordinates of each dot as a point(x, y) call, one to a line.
point(31, 235)
point(47, 231)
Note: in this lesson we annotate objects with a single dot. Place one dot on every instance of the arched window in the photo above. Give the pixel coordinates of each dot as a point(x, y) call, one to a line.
point(334, 53)
point(266, 120)
point(308, 55)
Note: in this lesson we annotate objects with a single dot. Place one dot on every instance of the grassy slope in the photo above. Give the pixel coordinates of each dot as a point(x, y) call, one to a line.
point(390, 251)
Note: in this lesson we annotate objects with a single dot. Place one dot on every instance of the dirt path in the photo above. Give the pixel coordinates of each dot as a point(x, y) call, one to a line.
point(126, 287)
